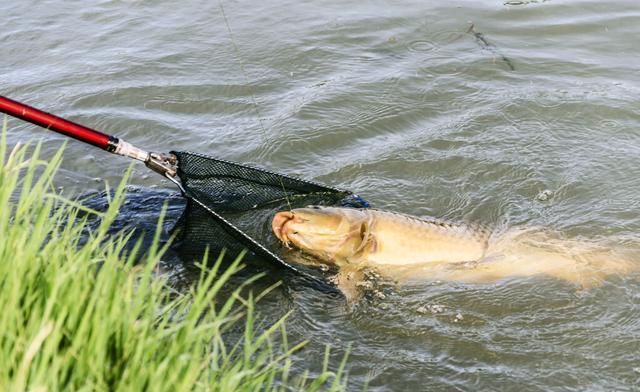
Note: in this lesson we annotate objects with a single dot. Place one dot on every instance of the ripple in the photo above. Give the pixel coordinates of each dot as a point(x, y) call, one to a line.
point(609, 124)
point(422, 46)
point(445, 37)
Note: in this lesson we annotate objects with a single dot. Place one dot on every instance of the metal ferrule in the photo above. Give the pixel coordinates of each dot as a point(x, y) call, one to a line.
point(165, 164)
point(129, 150)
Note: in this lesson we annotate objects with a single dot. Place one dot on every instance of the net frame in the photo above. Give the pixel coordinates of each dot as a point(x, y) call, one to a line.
point(216, 190)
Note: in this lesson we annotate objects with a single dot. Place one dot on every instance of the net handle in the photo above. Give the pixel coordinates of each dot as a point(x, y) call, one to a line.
point(58, 124)
point(161, 163)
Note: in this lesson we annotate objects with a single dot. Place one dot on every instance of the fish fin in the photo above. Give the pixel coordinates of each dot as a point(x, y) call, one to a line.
point(368, 239)
point(370, 245)
point(374, 244)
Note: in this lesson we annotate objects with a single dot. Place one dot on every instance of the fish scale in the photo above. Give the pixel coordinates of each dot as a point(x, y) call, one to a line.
point(402, 239)
point(406, 247)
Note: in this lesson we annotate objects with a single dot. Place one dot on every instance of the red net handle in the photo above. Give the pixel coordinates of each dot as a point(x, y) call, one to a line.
point(60, 125)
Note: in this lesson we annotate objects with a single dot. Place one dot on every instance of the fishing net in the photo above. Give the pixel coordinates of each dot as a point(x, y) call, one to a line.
point(230, 206)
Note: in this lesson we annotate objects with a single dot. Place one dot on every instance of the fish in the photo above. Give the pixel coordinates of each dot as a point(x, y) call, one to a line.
point(368, 236)
point(407, 247)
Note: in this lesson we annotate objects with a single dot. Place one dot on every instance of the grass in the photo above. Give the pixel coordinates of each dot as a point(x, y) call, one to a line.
point(82, 316)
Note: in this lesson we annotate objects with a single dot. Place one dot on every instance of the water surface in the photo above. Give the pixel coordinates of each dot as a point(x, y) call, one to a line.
point(397, 102)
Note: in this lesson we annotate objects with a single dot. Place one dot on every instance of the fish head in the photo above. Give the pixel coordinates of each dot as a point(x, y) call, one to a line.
point(333, 234)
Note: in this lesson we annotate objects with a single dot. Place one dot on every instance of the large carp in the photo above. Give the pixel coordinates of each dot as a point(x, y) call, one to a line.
point(353, 236)
point(403, 245)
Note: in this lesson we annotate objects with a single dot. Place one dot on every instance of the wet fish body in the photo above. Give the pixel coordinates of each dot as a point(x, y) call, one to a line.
point(397, 239)
point(406, 247)
point(351, 236)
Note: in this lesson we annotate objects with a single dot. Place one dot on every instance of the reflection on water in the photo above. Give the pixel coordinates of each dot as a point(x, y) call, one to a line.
point(397, 102)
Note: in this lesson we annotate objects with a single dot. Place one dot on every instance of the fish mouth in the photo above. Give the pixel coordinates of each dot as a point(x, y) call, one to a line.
point(278, 225)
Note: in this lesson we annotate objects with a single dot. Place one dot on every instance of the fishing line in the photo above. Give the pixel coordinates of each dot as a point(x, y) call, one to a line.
point(253, 98)
point(244, 72)
point(285, 195)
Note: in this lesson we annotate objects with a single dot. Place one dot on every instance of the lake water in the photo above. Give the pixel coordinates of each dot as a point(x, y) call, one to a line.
point(532, 122)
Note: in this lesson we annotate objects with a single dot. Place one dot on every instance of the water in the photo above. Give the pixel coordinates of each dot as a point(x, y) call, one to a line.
point(395, 101)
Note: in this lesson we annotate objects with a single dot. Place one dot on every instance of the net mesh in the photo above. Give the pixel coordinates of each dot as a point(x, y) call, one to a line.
point(230, 206)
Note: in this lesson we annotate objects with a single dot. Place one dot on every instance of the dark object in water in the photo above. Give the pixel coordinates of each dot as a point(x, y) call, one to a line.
point(485, 44)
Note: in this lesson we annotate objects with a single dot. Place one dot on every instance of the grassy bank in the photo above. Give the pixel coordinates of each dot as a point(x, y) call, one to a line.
point(81, 316)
